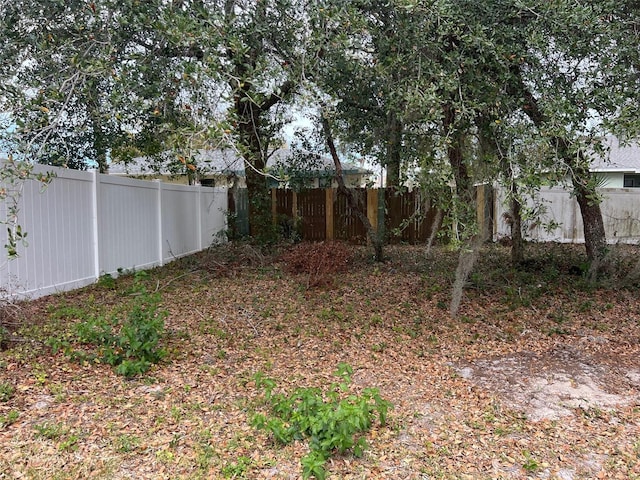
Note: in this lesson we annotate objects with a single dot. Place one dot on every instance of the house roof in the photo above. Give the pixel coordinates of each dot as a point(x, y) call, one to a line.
point(225, 161)
point(619, 158)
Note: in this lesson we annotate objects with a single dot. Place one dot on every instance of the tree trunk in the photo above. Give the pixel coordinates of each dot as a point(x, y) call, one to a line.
point(455, 156)
point(595, 237)
point(249, 123)
point(517, 242)
point(393, 150)
point(375, 238)
point(464, 208)
point(100, 147)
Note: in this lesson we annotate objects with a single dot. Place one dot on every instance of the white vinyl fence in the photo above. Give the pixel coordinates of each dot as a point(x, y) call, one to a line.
point(87, 224)
point(620, 213)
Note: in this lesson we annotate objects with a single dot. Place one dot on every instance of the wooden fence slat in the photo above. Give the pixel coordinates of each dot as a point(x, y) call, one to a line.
point(406, 216)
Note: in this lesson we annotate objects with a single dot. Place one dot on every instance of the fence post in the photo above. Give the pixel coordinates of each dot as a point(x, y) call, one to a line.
point(95, 220)
point(294, 206)
point(381, 212)
point(198, 196)
point(329, 199)
point(159, 216)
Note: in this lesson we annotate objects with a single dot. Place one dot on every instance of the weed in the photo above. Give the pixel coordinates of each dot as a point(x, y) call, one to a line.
point(586, 306)
point(205, 454)
point(6, 391)
point(431, 289)
point(591, 412)
point(237, 469)
point(127, 443)
point(500, 431)
point(40, 374)
point(67, 312)
point(107, 282)
point(130, 346)
point(165, 456)
point(331, 422)
point(58, 391)
point(50, 431)
point(175, 441)
point(327, 314)
point(69, 444)
point(176, 414)
point(530, 464)
point(9, 419)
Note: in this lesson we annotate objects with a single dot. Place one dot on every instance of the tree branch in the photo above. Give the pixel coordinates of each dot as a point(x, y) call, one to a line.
point(283, 91)
point(353, 202)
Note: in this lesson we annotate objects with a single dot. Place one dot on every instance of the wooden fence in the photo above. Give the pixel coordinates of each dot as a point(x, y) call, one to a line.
point(323, 214)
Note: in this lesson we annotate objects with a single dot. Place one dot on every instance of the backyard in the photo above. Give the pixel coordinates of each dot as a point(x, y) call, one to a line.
point(537, 377)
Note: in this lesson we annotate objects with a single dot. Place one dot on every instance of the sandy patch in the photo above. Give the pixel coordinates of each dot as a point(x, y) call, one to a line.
point(555, 383)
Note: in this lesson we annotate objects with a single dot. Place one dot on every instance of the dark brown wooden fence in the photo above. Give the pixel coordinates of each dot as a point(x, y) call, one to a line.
point(311, 213)
point(323, 214)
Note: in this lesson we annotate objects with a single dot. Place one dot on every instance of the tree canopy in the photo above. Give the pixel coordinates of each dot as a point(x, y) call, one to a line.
point(462, 90)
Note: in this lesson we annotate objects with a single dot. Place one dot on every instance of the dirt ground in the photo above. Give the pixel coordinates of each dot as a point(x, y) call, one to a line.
point(537, 377)
point(553, 384)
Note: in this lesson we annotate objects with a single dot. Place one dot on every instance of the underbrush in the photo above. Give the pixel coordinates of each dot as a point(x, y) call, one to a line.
point(318, 262)
point(389, 320)
point(332, 421)
point(130, 345)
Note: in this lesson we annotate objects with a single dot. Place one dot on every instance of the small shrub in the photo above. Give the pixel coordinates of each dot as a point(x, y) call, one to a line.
point(131, 346)
point(9, 419)
point(6, 391)
point(50, 431)
point(331, 421)
point(237, 469)
point(318, 261)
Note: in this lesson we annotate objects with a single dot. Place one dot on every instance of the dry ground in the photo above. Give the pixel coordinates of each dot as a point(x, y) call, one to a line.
point(538, 377)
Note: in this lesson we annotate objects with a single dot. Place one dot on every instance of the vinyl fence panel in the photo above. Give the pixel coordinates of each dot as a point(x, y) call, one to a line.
point(128, 224)
point(60, 254)
point(180, 219)
point(620, 212)
point(86, 224)
point(213, 215)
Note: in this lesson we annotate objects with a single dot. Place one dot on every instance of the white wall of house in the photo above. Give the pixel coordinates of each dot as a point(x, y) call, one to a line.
point(86, 224)
point(620, 212)
point(612, 179)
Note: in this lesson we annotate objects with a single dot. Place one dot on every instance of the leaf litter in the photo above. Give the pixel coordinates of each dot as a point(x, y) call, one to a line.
point(538, 377)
